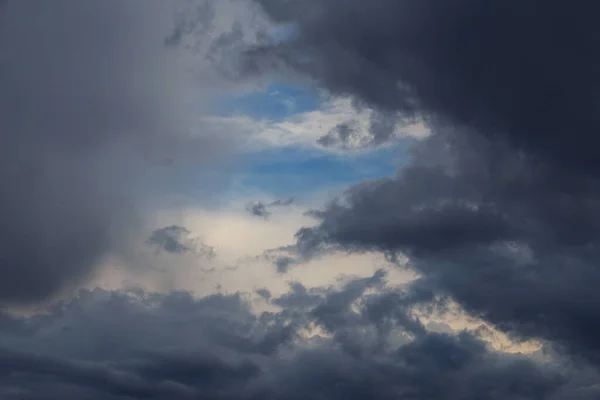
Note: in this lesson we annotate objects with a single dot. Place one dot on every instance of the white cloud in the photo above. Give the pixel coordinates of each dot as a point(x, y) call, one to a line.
point(306, 128)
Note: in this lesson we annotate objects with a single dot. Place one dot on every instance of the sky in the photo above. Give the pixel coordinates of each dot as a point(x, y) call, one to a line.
point(325, 199)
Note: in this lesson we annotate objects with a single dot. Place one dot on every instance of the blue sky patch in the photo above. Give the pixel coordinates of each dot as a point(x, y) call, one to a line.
point(276, 103)
point(294, 171)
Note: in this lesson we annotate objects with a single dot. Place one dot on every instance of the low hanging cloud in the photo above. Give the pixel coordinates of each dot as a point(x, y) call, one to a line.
point(137, 345)
point(503, 67)
point(499, 207)
point(497, 210)
point(90, 99)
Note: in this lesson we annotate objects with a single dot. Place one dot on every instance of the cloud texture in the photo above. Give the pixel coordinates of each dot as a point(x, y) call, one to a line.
point(497, 210)
point(499, 207)
point(136, 345)
point(90, 97)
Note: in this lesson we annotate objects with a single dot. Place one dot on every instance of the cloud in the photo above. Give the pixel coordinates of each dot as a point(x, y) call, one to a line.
point(493, 214)
point(138, 345)
point(92, 102)
point(260, 209)
point(367, 128)
point(499, 207)
point(176, 239)
point(512, 241)
point(456, 61)
point(380, 128)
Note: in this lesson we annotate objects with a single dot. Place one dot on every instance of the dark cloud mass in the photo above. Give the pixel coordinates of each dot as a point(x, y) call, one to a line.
point(521, 69)
point(499, 207)
point(135, 345)
point(498, 210)
point(87, 97)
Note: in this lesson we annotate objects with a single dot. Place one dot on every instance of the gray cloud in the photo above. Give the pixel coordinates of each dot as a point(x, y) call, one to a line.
point(284, 263)
point(341, 134)
point(512, 239)
point(136, 345)
point(348, 135)
point(533, 82)
point(264, 293)
point(260, 209)
point(176, 239)
point(499, 208)
point(496, 210)
point(90, 96)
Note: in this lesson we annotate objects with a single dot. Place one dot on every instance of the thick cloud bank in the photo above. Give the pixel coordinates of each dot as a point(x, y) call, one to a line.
point(136, 345)
point(519, 69)
point(500, 207)
point(89, 94)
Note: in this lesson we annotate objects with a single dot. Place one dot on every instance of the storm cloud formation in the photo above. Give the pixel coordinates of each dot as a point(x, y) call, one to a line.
point(498, 210)
point(525, 70)
point(89, 95)
point(499, 207)
point(136, 345)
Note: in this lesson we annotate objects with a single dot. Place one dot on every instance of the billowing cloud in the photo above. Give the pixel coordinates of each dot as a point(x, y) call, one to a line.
point(137, 345)
point(499, 207)
point(525, 70)
point(496, 213)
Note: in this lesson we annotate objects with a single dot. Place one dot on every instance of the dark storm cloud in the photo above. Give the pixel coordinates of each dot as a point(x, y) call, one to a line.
point(88, 92)
point(513, 240)
point(509, 234)
point(136, 345)
point(525, 69)
point(499, 208)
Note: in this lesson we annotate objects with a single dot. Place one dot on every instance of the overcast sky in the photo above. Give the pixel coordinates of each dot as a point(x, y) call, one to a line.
point(301, 199)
